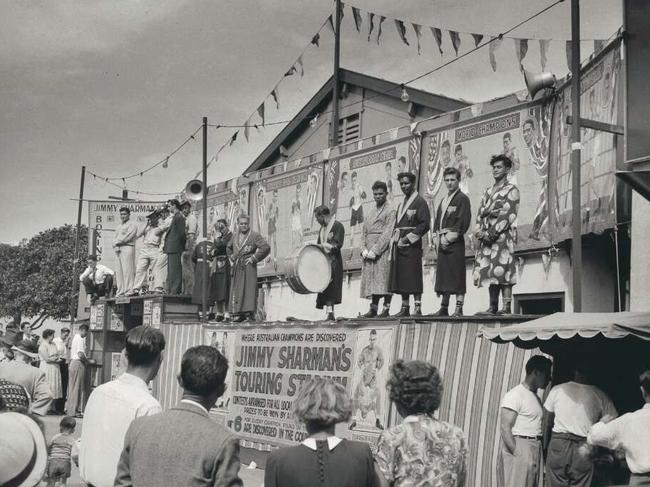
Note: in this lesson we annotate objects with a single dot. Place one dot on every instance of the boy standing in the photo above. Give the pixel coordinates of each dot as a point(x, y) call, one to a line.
point(60, 453)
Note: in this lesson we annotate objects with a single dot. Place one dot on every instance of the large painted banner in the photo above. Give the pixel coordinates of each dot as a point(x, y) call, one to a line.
point(283, 211)
point(522, 135)
point(599, 98)
point(269, 365)
point(348, 187)
point(226, 200)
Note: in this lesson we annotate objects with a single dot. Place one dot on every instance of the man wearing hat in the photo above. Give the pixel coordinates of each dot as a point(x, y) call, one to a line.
point(97, 279)
point(191, 233)
point(174, 247)
point(21, 372)
point(11, 337)
point(148, 254)
point(24, 451)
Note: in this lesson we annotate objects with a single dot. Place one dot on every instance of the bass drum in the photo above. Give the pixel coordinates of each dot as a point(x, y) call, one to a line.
point(308, 270)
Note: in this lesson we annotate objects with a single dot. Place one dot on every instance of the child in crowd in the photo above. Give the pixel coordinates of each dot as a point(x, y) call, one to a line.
point(60, 453)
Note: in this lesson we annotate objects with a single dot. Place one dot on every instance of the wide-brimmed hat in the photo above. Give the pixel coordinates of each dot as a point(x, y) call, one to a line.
point(24, 452)
point(12, 336)
point(27, 347)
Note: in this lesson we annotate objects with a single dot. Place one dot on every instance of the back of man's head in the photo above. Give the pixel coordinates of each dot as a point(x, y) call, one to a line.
point(539, 363)
point(645, 384)
point(203, 371)
point(144, 345)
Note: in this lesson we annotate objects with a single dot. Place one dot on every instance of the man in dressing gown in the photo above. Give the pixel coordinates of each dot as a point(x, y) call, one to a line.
point(412, 222)
point(330, 238)
point(452, 221)
point(245, 250)
point(375, 240)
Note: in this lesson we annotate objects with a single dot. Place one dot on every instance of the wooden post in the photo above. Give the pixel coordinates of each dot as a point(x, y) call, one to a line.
point(334, 125)
point(75, 278)
point(204, 203)
point(576, 213)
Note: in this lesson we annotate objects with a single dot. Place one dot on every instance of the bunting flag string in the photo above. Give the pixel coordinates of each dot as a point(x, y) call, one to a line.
point(543, 53)
point(371, 24)
point(418, 35)
point(437, 35)
point(455, 40)
point(276, 97)
point(247, 129)
point(260, 112)
point(477, 39)
point(301, 66)
point(521, 49)
point(356, 13)
point(381, 21)
point(315, 40)
point(495, 43)
point(401, 30)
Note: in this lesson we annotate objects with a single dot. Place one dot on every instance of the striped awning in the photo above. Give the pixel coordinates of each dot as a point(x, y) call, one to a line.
point(570, 325)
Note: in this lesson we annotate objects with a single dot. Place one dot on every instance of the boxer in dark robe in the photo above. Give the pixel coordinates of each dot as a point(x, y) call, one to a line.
point(452, 221)
point(330, 238)
point(411, 224)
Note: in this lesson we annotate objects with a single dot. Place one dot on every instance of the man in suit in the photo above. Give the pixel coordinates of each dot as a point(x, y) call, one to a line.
point(174, 248)
point(183, 446)
point(20, 371)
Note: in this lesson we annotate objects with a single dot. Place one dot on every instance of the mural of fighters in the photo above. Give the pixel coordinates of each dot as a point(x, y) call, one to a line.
point(389, 181)
point(261, 209)
point(356, 207)
point(462, 164)
point(538, 158)
point(296, 220)
point(511, 152)
point(274, 214)
point(366, 396)
point(312, 195)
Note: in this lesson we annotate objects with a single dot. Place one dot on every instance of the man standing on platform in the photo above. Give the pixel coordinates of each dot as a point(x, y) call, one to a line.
point(191, 233)
point(412, 222)
point(221, 282)
point(97, 280)
point(521, 426)
point(631, 434)
point(453, 217)
point(79, 380)
point(149, 254)
point(496, 232)
point(174, 247)
point(330, 238)
point(572, 409)
point(124, 245)
point(375, 239)
point(245, 250)
point(62, 344)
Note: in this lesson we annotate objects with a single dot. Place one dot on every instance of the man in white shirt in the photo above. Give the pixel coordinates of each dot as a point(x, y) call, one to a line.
point(191, 232)
point(521, 426)
point(62, 344)
point(112, 406)
point(148, 254)
point(78, 381)
point(126, 234)
point(572, 408)
point(97, 279)
point(631, 434)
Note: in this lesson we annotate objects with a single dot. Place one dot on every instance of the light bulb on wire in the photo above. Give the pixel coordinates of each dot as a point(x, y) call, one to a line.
point(405, 95)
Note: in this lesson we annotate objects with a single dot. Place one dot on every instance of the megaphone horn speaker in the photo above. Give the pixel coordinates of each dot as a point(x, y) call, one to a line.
point(194, 190)
point(536, 82)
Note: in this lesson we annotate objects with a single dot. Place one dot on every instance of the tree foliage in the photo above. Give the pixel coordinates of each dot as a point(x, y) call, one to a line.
point(36, 277)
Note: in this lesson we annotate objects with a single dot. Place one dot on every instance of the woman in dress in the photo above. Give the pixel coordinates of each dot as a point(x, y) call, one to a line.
point(421, 450)
point(322, 459)
point(50, 359)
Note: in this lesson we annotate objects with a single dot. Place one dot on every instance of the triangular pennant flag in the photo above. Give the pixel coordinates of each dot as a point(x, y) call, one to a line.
point(260, 112)
point(164, 164)
point(276, 97)
point(476, 109)
point(495, 43)
point(437, 35)
point(392, 134)
point(301, 65)
point(247, 126)
point(455, 40)
point(401, 30)
point(569, 54)
point(326, 153)
point(233, 138)
point(330, 23)
point(418, 34)
point(359, 144)
point(521, 48)
point(315, 40)
point(375, 139)
point(598, 45)
point(413, 127)
point(357, 18)
point(546, 263)
point(477, 39)
point(381, 21)
point(543, 52)
point(291, 72)
point(371, 23)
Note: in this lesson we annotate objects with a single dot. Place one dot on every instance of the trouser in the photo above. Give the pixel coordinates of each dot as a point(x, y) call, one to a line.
point(521, 467)
point(566, 465)
point(174, 273)
point(188, 272)
point(160, 271)
point(103, 289)
point(59, 404)
point(77, 387)
point(640, 480)
point(147, 259)
point(125, 269)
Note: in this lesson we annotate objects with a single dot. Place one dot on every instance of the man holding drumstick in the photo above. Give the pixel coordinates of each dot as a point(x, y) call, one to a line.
point(330, 238)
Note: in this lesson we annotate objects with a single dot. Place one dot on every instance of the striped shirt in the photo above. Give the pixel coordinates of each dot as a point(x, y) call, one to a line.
point(61, 446)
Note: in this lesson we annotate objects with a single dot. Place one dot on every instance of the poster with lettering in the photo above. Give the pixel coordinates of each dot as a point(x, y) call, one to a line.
point(600, 86)
point(348, 187)
point(523, 136)
point(226, 200)
point(269, 367)
point(284, 213)
point(223, 340)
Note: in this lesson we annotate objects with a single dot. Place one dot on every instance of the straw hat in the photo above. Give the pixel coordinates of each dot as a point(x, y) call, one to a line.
point(26, 347)
point(24, 452)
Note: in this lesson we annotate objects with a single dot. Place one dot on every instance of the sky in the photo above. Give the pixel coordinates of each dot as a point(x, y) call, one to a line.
point(116, 86)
